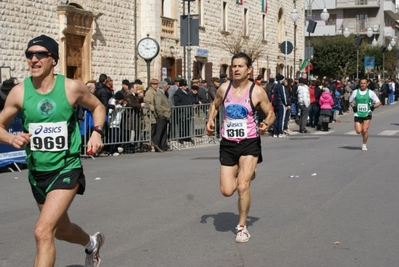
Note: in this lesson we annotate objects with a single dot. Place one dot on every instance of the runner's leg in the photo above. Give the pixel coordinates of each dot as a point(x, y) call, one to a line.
point(53, 214)
point(365, 130)
point(228, 180)
point(247, 166)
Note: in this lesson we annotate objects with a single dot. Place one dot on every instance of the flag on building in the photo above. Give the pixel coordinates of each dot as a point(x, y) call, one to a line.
point(240, 1)
point(264, 5)
point(303, 65)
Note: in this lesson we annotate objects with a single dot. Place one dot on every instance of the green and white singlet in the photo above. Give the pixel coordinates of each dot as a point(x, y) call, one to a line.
point(363, 102)
point(55, 141)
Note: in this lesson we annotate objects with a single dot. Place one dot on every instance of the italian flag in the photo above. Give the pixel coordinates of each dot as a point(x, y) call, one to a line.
point(303, 65)
point(240, 1)
point(264, 5)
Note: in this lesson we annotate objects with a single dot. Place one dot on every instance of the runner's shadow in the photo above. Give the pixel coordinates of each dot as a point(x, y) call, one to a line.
point(226, 221)
point(396, 124)
point(351, 147)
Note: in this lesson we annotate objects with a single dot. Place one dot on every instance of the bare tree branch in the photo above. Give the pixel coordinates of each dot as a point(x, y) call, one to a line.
point(233, 42)
point(255, 47)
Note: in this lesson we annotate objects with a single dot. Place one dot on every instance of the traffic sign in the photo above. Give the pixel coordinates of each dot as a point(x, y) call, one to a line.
point(286, 47)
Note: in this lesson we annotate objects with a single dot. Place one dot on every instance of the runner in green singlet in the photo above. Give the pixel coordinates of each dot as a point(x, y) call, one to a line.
point(363, 101)
point(51, 138)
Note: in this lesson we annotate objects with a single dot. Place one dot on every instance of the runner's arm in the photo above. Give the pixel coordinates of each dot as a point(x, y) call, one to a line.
point(214, 107)
point(12, 106)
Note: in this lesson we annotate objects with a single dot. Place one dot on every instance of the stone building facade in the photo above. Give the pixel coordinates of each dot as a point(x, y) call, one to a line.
point(100, 36)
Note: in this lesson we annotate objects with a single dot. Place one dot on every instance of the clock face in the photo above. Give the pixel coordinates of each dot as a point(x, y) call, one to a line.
point(148, 48)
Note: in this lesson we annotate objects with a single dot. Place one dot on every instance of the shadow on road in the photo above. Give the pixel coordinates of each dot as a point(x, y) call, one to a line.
point(351, 147)
point(226, 221)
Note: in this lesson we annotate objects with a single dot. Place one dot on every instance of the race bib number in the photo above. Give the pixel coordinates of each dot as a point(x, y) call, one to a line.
point(362, 107)
point(235, 128)
point(48, 136)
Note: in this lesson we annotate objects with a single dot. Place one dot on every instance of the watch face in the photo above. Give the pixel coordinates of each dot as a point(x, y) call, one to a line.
point(148, 48)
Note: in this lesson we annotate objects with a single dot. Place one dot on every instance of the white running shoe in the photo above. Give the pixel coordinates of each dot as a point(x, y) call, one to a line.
point(242, 234)
point(93, 259)
point(364, 147)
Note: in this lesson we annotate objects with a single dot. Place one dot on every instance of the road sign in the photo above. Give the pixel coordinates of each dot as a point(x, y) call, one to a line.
point(286, 47)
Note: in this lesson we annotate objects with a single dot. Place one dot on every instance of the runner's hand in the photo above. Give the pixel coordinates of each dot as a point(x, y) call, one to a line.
point(210, 128)
point(262, 128)
point(20, 140)
point(95, 143)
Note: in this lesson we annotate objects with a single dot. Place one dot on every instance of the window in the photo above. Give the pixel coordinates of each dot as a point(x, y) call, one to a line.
point(200, 13)
point(263, 27)
point(362, 22)
point(332, 20)
point(166, 9)
point(224, 17)
point(246, 30)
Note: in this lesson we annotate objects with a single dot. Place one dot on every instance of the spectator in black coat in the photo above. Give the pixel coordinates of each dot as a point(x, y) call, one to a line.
point(5, 89)
point(103, 93)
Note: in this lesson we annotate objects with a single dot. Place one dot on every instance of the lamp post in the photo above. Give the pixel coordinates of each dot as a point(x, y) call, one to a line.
point(391, 44)
point(189, 43)
point(324, 16)
point(294, 18)
point(357, 42)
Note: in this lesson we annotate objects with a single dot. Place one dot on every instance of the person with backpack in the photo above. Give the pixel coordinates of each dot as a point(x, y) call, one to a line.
point(363, 102)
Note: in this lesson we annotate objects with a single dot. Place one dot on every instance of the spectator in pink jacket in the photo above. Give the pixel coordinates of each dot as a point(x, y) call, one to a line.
point(326, 102)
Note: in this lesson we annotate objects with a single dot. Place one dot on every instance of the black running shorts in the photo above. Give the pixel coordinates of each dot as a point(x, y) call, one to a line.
point(359, 119)
point(230, 151)
point(44, 182)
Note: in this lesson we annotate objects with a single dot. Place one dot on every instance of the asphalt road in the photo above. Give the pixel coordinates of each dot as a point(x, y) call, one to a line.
point(339, 209)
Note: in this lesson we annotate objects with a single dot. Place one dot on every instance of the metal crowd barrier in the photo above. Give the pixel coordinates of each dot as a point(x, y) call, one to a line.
point(131, 129)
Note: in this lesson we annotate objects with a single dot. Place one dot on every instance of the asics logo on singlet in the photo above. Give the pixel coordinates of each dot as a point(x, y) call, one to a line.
point(236, 111)
point(234, 124)
point(48, 129)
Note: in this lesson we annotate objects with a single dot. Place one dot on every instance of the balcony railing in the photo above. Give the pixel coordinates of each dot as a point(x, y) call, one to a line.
point(168, 27)
point(357, 3)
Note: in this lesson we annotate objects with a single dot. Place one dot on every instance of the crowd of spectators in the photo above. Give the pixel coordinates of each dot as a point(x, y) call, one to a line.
point(162, 111)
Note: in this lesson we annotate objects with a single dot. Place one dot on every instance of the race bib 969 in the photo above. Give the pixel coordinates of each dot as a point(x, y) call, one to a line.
point(49, 136)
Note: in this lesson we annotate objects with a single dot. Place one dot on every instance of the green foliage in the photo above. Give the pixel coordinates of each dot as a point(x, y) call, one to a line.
point(336, 56)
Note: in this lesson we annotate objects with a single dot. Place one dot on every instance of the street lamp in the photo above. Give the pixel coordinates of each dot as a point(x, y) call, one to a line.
point(324, 16)
point(391, 44)
point(358, 41)
point(294, 18)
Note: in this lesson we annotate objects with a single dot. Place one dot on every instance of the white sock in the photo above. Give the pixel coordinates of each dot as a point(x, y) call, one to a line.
point(91, 245)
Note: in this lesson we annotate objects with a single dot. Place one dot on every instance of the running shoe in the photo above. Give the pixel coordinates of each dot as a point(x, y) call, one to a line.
point(93, 258)
point(275, 135)
point(242, 234)
point(364, 147)
point(282, 135)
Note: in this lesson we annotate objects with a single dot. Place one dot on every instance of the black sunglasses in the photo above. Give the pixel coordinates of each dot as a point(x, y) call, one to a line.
point(39, 54)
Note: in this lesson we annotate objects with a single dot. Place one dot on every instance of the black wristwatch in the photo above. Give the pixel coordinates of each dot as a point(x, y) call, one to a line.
point(99, 129)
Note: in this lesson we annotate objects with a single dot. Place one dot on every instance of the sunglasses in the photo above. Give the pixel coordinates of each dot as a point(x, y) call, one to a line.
point(39, 54)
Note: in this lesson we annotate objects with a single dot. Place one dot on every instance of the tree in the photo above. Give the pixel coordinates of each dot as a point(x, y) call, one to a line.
point(238, 42)
point(334, 55)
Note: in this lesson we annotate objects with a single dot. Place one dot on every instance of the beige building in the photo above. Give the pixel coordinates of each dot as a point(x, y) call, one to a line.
point(100, 36)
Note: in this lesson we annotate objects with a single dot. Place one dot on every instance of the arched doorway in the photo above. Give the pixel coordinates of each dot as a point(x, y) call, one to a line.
point(75, 41)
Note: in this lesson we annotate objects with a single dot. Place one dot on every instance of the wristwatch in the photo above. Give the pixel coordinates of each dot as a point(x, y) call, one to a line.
point(99, 129)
